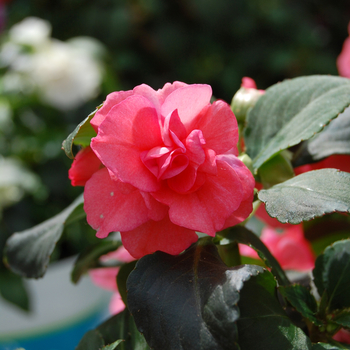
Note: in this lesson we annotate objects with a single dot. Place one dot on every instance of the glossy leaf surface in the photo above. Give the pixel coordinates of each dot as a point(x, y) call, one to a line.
point(308, 195)
point(293, 111)
point(188, 301)
point(332, 275)
point(28, 252)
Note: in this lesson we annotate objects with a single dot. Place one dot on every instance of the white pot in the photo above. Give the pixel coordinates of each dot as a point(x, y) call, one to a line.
point(61, 312)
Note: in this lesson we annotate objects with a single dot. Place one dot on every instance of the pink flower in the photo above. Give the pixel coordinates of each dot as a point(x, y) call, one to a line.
point(343, 60)
point(290, 248)
point(337, 161)
point(106, 278)
point(171, 168)
point(342, 336)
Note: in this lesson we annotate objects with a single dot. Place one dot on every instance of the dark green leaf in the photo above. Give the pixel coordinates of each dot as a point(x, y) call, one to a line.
point(302, 300)
point(308, 195)
point(88, 259)
point(28, 252)
point(187, 301)
point(293, 111)
point(122, 277)
point(242, 235)
point(332, 275)
point(263, 323)
point(12, 289)
point(335, 139)
point(122, 327)
point(92, 340)
point(112, 346)
point(343, 319)
point(81, 135)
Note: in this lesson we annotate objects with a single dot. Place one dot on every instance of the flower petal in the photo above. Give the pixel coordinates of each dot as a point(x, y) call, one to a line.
point(242, 171)
point(206, 209)
point(130, 128)
point(113, 205)
point(188, 100)
point(219, 127)
point(83, 167)
point(158, 235)
point(112, 99)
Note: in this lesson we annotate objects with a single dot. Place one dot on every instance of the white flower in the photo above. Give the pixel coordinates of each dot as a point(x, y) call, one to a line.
point(65, 76)
point(31, 31)
point(15, 181)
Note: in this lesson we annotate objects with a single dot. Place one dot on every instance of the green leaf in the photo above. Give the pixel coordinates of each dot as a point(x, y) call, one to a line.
point(302, 300)
point(122, 327)
point(343, 319)
point(242, 235)
point(112, 346)
point(92, 340)
point(12, 289)
point(81, 135)
point(308, 195)
point(88, 259)
point(28, 252)
point(293, 111)
point(187, 301)
point(122, 277)
point(334, 139)
point(332, 275)
point(263, 324)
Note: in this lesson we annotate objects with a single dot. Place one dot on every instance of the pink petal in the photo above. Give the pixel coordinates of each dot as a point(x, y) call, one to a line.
point(194, 148)
point(206, 209)
point(293, 251)
point(105, 277)
point(151, 95)
point(121, 254)
point(84, 165)
point(156, 210)
point(116, 304)
point(173, 125)
point(183, 182)
point(112, 99)
point(248, 83)
point(242, 171)
point(343, 60)
point(242, 213)
point(158, 235)
point(113, 205)
point(188, 101)
point(219, 127)
point(130, 128)
point(168, 88)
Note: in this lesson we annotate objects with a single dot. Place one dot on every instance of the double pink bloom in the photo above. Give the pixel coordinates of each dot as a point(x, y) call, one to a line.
point(166, 167)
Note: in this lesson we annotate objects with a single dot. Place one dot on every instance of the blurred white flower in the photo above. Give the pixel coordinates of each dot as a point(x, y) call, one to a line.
point(63, 74)
point(31, 31)
point(15, 181)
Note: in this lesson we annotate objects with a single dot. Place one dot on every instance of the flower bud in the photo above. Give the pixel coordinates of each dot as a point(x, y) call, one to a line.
point(247, 161)
point(243, 100)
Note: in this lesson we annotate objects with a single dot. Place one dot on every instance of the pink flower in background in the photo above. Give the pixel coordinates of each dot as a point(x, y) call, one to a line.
point(106, 277)
point(342, 336)
point(343, 60)
point(170, 168)
point(290, 248)
point(337, 161)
